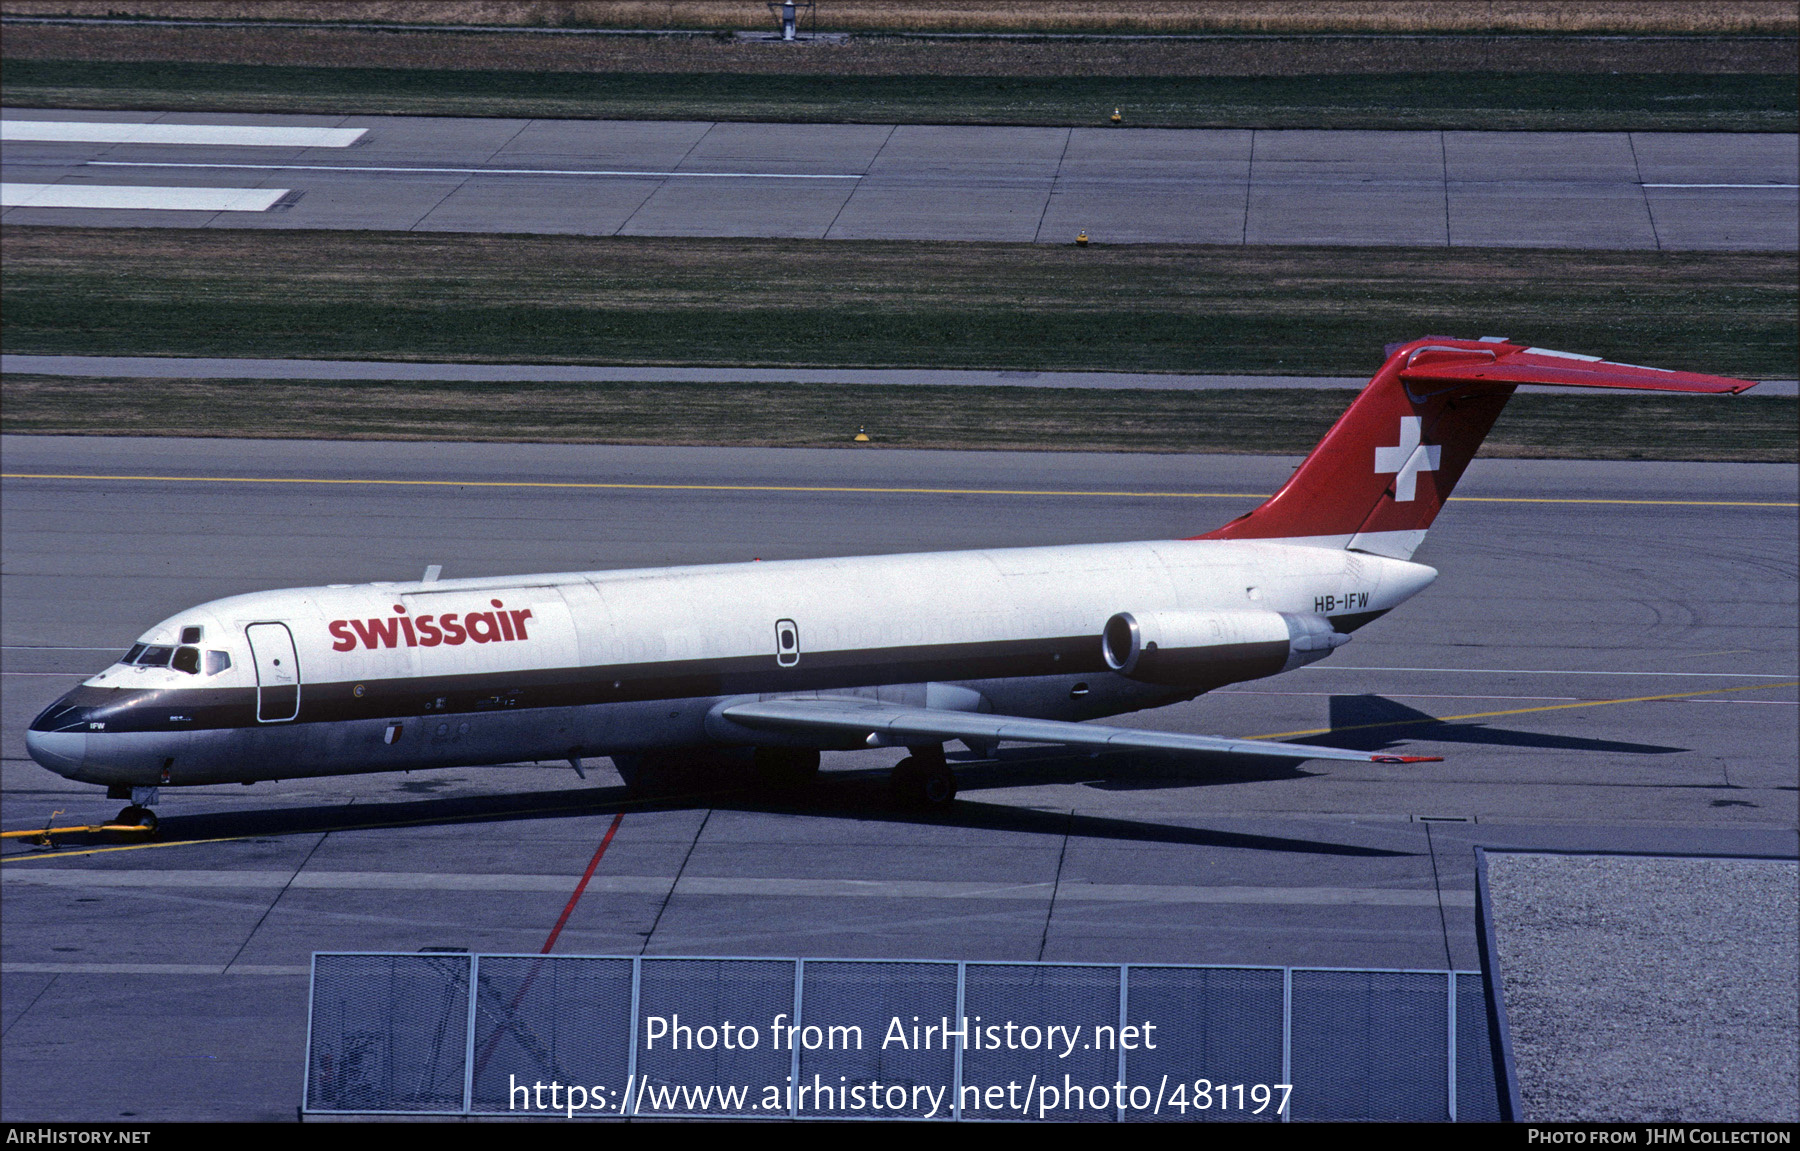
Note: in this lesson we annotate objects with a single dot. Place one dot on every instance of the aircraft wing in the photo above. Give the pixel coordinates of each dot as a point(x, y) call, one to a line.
point(894, 725)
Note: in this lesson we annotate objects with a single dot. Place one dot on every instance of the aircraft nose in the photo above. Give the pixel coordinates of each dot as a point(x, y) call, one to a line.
point(61, 751)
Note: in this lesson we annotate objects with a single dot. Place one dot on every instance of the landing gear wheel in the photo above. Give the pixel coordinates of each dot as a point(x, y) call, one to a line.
point(135, 816)
point(922, 784)
point(786, 769)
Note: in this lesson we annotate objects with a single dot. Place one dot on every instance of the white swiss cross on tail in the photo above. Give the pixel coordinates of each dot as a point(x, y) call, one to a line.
point(1408, 459)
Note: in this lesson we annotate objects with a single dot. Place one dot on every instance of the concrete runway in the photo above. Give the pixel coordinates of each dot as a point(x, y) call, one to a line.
point(1552, 623)
point(1670, 191)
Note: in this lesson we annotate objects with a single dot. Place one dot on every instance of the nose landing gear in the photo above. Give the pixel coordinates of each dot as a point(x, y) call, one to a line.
point(137, 817)
point(134, 818)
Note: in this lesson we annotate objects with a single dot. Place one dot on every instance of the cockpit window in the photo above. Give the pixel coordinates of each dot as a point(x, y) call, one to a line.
point(186, 659)
point(131, 656)
point(217, 661)
point(155, 657)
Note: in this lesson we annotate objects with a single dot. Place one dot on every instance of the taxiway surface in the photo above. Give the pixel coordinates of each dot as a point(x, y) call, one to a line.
point(1645, 190)
point(1610, 650)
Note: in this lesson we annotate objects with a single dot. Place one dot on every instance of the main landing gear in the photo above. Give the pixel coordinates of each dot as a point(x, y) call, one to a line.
point(923, 779)
point(786, 769)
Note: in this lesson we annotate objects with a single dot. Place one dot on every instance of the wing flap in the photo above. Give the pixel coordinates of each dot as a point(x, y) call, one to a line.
point(896, 725)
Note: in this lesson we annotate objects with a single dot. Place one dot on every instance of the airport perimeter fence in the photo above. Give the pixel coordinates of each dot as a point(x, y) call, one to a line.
point(607, 1037)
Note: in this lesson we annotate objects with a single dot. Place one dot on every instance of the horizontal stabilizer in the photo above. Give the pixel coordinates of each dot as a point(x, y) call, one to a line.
point(1379, 477)
point(1506, 364)
point(897, 725)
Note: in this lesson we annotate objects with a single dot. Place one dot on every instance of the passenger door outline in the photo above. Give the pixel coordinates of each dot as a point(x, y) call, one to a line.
point(277, 671)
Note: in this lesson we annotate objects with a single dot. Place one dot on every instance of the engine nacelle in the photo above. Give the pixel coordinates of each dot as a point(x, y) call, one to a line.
point(1206, 649)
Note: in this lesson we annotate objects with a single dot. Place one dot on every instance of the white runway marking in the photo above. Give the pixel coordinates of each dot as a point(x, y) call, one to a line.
point(1721, 186)
point(742, 886)
point(239, 135)
point(478, 171)
point(139, 197)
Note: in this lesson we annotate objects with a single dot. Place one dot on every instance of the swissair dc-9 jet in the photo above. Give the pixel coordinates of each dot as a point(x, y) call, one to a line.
point(781, 660)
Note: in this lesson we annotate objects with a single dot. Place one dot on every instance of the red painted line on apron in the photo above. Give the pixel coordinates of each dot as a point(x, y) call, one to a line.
point(487, 1051)
point(582, 886)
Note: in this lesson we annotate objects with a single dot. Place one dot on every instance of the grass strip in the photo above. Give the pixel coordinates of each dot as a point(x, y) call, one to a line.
point(1281, 421)
point(808, 303)
point(1551, 101)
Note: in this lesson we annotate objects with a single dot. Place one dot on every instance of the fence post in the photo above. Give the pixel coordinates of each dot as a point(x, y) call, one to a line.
point(1287, 1038)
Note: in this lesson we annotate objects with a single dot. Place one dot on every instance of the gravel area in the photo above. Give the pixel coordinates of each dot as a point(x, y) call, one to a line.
point(1650, 989)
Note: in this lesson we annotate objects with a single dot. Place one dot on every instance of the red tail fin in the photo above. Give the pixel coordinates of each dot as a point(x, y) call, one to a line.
point(1376, 481)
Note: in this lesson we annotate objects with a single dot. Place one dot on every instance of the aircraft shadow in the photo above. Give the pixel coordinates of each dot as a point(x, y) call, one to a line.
point(857, 794)
point(1370, 723)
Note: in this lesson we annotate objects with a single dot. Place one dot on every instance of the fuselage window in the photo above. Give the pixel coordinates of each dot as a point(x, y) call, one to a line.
point(155, 657)
point(186, 659)
point(217, 661)
point(131, 656)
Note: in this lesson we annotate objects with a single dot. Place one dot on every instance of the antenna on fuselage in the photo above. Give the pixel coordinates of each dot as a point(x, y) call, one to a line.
point(432, 573)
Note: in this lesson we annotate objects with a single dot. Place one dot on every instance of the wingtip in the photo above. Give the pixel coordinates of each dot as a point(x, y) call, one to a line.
point(1406, 759)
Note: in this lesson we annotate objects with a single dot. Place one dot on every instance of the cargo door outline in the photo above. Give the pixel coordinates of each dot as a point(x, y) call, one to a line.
point(277, 672)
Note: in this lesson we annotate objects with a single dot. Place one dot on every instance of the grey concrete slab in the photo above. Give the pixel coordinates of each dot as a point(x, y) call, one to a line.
point(1365, 212)
point(656, 145)
point(1540, 157)
point(1295, 153)
point(930, 210)
point(1272, 936)
point(222, 1050)
point(431, 139)
point(1717, 158)
point(329, 200)
point(1494, 215)
point(1724, 219)
point(553, 205)
point(1218, 153)
point(928, 150)
point(1126, 212)
point(726, 207)
point(1314, 187)
point(812, 149)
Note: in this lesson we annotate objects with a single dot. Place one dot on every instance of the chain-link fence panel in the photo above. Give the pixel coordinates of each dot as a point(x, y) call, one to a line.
point(1371, 1045)
point(873, 1041)
point(1478, 1089)
point(552, 1035)
point(1217, 1028)
point(406, 1034)
point(387, 1033)
point(707, 1031)
point(1042, 1042)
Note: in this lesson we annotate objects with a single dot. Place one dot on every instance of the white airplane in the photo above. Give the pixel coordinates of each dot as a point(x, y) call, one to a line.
point(777, 661)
